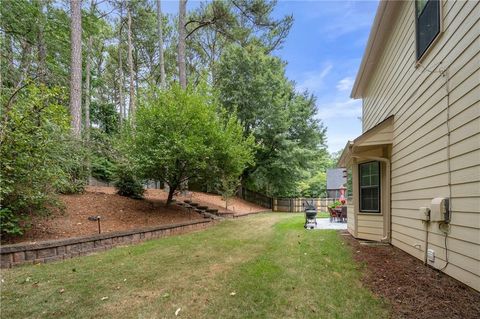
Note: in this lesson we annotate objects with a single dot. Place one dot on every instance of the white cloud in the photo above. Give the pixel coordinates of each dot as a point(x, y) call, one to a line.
point(340, 109)
point(345, 84)
point(314, 81)
point(341, 117)
point(336, 142)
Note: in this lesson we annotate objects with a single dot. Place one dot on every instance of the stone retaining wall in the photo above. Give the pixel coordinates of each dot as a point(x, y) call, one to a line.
point(53, 250)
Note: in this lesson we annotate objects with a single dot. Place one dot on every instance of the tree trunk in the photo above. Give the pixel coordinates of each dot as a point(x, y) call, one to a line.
point(131, 108)
point(25, 63)
point(88, 70)
point(171, 191)
point(42, 51)
point(135, 65)
point(121, 98)
point(182, 74)
point(76, 67)
point(160, 45)
point(87, 87)
point(10, 75)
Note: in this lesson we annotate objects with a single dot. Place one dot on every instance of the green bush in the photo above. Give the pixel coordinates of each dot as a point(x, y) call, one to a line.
point(10, 222)
point(103, 155)
point(38, 156)
point(127, 184)
point(102, 168)
point(73, 169)
point(336, 204)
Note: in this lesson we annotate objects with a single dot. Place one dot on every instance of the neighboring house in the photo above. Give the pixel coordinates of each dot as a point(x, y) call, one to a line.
point(336, 178)
point(419, 82)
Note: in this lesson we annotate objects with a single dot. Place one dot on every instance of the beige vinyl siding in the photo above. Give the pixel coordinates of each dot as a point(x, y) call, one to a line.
point(350, 220)
point(417, 97)
point(395, 69)
point(370, 226)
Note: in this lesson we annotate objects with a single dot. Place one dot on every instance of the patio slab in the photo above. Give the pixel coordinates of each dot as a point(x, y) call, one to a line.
point(324, 223)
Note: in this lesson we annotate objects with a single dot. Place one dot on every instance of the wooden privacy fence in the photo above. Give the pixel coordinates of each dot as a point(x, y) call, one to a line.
point(286, 204)
point(297, 204)
point(256, 198)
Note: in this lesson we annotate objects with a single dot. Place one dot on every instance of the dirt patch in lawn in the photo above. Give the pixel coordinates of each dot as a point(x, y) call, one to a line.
point(117, 213)
point(413, 289)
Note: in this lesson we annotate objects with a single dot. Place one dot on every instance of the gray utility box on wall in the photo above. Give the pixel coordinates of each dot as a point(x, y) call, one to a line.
point(440, 210)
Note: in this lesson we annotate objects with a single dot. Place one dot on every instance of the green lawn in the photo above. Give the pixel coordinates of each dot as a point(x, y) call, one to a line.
point(263, 266)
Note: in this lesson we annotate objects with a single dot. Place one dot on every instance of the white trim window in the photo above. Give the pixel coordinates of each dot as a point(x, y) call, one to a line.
point(369, 182)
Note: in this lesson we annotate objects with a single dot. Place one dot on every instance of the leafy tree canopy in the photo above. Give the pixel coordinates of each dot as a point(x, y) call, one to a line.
point(288, 136)
point(39, 158)
point(181, 135)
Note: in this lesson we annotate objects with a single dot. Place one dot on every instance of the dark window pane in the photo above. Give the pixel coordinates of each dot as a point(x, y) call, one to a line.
point(374, 169)
point(369, 199)
point(369, 187)
point(365, 180)
point(428, 24)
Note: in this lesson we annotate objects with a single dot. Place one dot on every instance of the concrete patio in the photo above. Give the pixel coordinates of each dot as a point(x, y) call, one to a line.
point(324, 223)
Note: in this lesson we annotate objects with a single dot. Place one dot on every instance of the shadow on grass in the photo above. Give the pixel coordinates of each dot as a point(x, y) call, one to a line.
point(273, 266)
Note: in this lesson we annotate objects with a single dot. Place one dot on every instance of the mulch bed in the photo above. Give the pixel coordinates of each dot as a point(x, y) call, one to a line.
point(117, 213)
point(413, 289)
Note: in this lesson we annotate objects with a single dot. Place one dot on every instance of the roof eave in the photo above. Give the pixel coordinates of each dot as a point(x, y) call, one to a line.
point(384, 20)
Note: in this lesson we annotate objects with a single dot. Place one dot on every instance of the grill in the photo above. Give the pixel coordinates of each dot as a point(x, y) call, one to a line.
point(310, 214)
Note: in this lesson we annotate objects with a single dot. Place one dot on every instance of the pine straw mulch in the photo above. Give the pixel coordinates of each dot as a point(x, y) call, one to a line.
point(413, 289)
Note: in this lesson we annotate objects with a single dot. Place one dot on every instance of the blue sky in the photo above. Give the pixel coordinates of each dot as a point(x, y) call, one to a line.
point(323, 52)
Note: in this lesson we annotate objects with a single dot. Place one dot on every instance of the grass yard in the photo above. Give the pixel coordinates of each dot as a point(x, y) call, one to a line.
point(262, 266)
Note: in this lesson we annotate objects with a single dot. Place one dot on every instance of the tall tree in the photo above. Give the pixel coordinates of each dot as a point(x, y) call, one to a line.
point(131, 108)
point(121, 97)
point(288, 136)
point(160, 44)
point(41, 46)
point(182, 72)
point(76, 67)
point(88, 67)
point(216, 24)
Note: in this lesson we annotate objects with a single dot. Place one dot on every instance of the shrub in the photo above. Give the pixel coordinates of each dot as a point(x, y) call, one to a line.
point(10, 222)
point(38, 156)
point(127, 184)
point(102, 168)
point(103, 155)
point(336, 204)
point(73, 169)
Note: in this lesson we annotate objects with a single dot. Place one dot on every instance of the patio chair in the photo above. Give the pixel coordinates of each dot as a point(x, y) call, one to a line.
point(333, 214)
point(343, 214)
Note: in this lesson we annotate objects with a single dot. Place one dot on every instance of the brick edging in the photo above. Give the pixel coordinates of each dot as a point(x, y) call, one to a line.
point(52, 250)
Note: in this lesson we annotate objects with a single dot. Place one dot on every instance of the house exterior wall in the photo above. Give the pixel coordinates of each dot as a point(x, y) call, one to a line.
point(420, 156)
point(370, 226)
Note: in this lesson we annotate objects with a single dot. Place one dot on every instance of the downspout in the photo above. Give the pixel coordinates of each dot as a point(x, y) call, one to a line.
point(387, 222)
